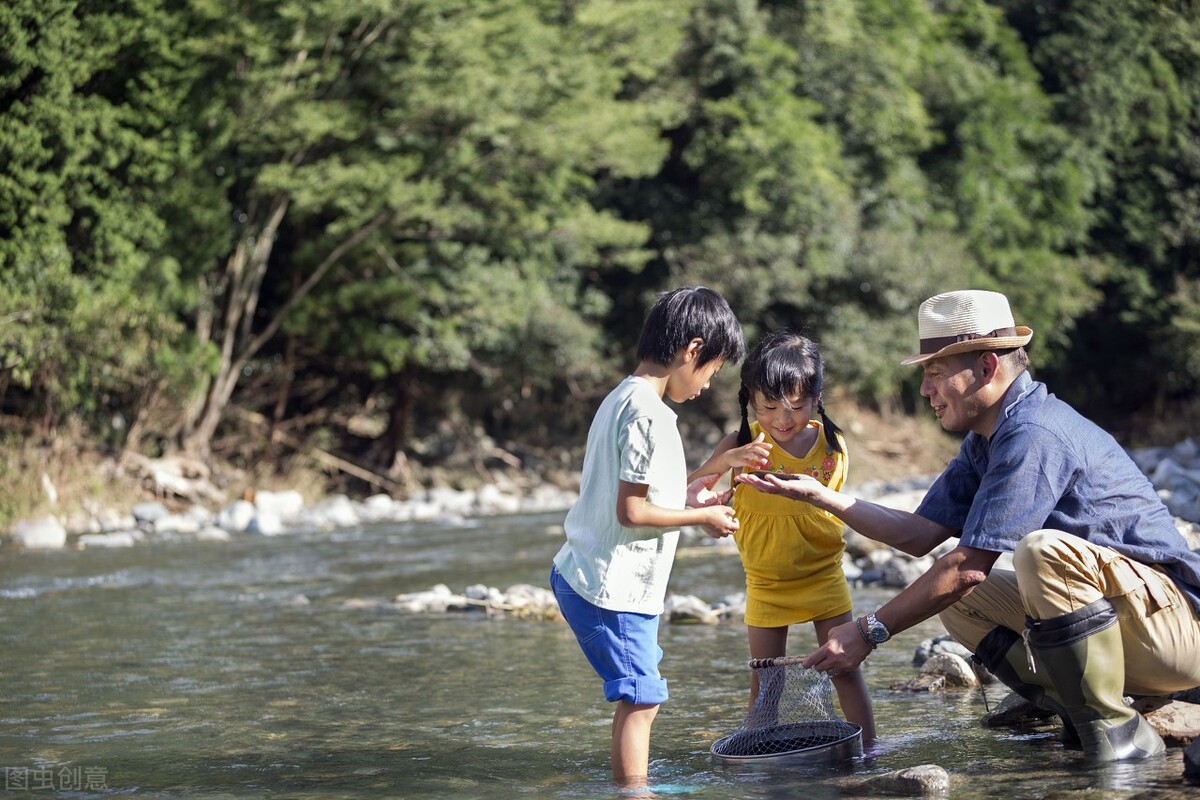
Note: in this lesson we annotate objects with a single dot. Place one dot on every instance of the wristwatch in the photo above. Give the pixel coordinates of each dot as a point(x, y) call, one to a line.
point(876, 630)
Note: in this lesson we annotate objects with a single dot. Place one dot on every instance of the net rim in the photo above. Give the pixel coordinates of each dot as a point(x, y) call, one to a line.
point(852, 733)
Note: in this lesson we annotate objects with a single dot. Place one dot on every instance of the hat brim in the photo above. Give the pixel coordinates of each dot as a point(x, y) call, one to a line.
point(970, 345)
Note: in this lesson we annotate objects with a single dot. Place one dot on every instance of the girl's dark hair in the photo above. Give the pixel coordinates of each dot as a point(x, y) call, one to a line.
point(691, 312)
point(784, 364)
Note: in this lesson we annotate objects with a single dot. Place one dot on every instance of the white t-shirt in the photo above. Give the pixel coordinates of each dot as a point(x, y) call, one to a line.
point(633, 438)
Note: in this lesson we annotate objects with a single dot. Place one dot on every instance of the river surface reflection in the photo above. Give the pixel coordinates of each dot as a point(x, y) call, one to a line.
point(270, 667)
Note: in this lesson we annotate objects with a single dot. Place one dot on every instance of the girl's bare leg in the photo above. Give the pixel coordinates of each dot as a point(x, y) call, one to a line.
point(851, 687)
point(764, 643)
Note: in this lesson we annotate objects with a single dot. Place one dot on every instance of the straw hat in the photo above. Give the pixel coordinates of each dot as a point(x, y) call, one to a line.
point(960, 322)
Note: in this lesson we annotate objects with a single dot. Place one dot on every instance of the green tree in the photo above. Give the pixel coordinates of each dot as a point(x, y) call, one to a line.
point(1125, 79)
point(840, 161)
point(89, 286)
point(416, 185)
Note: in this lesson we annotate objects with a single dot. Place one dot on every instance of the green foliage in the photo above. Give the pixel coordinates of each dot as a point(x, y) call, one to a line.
point(482, 147)
point(1135, 124)
point(89, 290)
point(469, 205)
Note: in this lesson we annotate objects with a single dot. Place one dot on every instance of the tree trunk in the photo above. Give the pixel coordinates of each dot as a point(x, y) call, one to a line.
point(244, 273)
point(391, 444)
point(245, 277)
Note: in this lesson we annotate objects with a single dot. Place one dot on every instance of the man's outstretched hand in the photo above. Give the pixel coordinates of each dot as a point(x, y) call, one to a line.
point(797, 487)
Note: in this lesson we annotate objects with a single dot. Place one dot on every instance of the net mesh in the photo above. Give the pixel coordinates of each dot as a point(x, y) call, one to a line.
point(792, 713)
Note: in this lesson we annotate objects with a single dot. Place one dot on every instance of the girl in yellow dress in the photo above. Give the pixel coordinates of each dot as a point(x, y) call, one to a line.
point(791, 552)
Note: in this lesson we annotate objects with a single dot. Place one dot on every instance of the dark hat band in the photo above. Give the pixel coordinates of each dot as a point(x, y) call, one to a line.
point(935, 344)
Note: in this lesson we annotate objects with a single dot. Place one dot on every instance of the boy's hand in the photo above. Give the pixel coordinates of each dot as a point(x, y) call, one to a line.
point(700, 493)
point(719, 521)
point(755, 455)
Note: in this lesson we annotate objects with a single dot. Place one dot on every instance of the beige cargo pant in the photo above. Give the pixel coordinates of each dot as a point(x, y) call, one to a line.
point(1055, 573)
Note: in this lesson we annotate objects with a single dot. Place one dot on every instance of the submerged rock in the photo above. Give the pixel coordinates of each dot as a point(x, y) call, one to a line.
point(211, 533)
point(938, 644)
point(1177, 722)
point(954, 668)
point(522, 600)
point(731, 607)
point(926, 682)
point(689, 608)
point(1015, 710)
point(1191, 762)
point(438, 599)
point(115, 539)
point(925, 780)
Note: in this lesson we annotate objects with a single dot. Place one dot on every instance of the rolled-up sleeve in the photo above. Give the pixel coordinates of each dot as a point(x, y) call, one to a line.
point(1028, 474)
point(948, 500)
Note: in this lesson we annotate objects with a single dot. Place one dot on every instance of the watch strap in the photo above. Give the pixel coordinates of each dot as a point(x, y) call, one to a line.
point(861, 624)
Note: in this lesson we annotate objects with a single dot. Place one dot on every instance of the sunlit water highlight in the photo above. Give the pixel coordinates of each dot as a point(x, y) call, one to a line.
point(252, 669)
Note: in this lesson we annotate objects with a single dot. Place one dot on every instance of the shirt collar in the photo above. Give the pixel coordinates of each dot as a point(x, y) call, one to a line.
point(1019, 390)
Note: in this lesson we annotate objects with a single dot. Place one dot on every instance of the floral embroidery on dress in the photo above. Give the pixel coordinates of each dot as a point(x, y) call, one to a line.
point(824, 473)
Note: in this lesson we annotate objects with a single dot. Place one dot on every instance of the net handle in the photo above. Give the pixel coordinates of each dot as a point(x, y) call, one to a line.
point(778, 661)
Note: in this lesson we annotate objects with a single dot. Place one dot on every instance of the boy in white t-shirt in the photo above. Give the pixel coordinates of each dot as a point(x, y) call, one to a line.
point(610, 577)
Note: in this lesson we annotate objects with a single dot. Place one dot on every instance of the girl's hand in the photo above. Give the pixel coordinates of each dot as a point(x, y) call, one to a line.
point(718, 521)
point(755, 455)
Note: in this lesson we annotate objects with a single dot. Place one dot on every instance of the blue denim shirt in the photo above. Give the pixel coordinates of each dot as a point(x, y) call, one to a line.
point(1046, 466)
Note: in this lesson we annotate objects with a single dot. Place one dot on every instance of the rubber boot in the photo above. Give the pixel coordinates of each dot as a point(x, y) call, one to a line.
point(1082, 654)
point(1004, 655)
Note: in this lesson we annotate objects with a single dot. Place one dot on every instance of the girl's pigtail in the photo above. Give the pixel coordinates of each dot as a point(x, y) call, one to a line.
point(832, 432)
point(744, 431)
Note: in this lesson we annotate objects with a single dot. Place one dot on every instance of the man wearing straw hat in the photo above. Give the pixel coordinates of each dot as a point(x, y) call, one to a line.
point(1103, 596)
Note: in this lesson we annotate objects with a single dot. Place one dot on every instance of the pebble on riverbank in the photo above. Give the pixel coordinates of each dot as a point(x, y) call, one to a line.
point(278, 514)
point(1174, 471)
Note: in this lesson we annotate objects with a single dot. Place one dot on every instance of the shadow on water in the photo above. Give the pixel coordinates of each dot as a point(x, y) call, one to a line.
point(272, 667)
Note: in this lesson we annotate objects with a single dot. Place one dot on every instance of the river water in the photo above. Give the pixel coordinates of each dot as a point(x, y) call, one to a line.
point(272, 667)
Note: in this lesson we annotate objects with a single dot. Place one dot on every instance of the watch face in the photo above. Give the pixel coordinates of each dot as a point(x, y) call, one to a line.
point(879, 634)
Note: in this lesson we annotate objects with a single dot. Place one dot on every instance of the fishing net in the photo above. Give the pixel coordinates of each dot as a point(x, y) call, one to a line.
point(793, 714)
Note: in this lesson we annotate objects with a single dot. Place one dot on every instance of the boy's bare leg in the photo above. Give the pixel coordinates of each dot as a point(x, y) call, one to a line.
point(631, 743)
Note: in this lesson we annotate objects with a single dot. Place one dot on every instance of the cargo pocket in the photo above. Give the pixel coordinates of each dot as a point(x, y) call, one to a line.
point(1143, 587)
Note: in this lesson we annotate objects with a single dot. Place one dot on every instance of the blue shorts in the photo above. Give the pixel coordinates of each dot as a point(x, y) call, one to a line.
point(620, 645)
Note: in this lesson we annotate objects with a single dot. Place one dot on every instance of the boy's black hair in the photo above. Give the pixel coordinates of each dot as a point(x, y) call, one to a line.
point(691, 312)
point(784, 364)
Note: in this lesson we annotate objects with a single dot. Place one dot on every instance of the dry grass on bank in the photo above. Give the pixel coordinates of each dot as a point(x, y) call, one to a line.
point(888, 447)
point(74, 482)
point(37, 479)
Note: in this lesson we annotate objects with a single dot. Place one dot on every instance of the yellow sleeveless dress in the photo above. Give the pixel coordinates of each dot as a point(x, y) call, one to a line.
point(792, 551)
